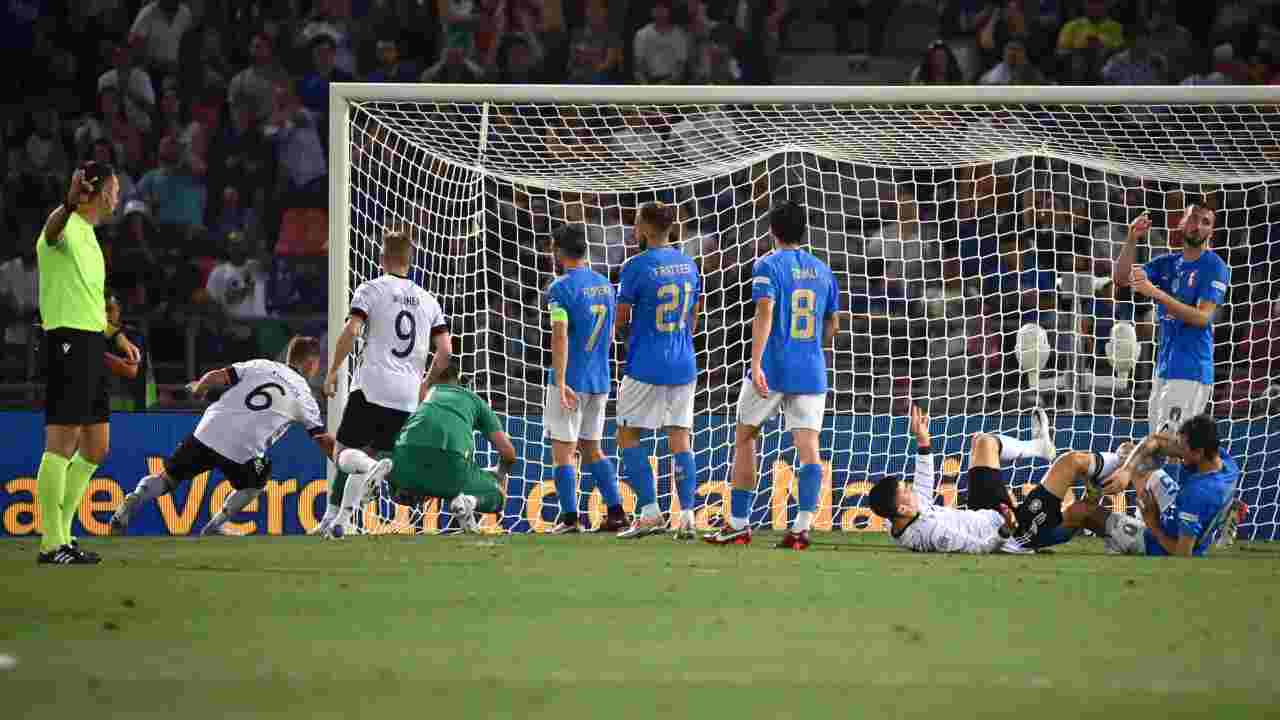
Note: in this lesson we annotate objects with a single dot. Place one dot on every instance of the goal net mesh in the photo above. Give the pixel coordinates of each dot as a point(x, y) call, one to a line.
point(949, 228)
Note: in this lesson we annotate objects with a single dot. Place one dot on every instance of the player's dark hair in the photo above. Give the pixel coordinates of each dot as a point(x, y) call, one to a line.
point(571, 241)
point(659, 217)
point(788, 221)
point(883, 498)
point(302, 348)
point(1202, 434)
point(96, 174)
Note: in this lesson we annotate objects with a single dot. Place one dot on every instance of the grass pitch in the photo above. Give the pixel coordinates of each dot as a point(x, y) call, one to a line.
point(544, 627)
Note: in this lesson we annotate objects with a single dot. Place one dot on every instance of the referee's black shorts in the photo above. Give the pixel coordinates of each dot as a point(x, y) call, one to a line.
point(75, 378)
point(365, 424)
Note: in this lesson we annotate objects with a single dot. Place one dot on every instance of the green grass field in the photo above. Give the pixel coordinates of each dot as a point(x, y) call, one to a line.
point(532, 627)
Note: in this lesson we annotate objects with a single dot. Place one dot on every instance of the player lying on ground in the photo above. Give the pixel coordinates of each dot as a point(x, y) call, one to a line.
point(582, 306)
point(796, 299)
point(400, 323)
point(659, 300)
point(433, 458)
point(262, 398)
point(1179, 517)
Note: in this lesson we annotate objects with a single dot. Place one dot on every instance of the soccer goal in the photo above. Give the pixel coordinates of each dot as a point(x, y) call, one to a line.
point(972, 230)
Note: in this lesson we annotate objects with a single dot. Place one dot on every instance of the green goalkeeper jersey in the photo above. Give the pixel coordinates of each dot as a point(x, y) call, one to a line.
point(448, 420)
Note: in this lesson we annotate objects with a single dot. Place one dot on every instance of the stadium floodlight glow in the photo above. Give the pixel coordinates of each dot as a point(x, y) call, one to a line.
point(921, 199)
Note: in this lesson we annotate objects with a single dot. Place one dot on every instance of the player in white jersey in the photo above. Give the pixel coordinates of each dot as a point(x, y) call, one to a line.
point(401, 323)
point(262, 399)
point(989, 524)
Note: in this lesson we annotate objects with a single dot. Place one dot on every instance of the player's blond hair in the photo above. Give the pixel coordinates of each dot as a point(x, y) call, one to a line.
point(302, 348)
point(397, 246)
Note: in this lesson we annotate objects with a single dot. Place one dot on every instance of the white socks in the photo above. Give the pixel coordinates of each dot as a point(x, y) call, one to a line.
point(354, 492)
point(150, 488)
point(1110, 463)
point(650, 510)
point(236, 502)
point(737, 523)
point(1011, 448)
point(355, 462)
point(804, 521)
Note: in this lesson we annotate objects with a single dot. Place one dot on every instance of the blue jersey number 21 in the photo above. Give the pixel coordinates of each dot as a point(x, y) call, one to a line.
point(671, 294)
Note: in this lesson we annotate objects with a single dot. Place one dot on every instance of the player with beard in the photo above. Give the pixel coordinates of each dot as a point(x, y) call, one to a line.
point(1187, 288)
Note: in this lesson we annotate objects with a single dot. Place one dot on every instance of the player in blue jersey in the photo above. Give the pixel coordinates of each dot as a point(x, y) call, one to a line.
point(659, 300)
point(796, 299)
point(1187, 288)
point(582, 307)
point(1181, 517)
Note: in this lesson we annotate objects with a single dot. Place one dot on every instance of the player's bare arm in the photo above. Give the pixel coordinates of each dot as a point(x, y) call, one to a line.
point(624, 319)
point(1181, 546)
point(829, 327)
point(761, 326)
point(693, 317)
point(124, 345)
point(346, 343)
point(1199, 316)
point(1138, 229)
point(560, 363)
point(79, 190)
point(213, 379)
point(1150, 455)
point(443, 345)
point(506, 453)
point(326, 443)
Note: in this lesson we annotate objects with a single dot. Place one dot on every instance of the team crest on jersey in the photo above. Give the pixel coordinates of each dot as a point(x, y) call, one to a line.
point(1191, 279)
point(1034, 505)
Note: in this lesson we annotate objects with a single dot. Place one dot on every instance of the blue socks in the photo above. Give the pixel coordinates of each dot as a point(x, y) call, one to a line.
point(740, 504)
point(686, 479)
point(567, 489)
point(603, 475)
point(808, 485)
point(635, 463)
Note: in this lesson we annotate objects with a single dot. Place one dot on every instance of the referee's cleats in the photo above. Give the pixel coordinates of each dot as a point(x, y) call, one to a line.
point(67, 555)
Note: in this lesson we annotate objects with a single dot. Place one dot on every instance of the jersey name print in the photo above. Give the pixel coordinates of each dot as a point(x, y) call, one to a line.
point(264, 398)
point(401, 318)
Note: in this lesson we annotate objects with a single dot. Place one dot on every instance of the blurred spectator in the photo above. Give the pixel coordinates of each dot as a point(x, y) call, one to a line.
point(1016, 68)
point(128, 394)
point(661, 49)
point(133, 255)
point(1136, 66)
point(255, 85)
point(175, 121)
point(595, 51)
point(492, 22)
point(175, 195)
point(519, 59)
point(236, 217)
point(960, 17)
point(314, 89)
point(133, 85)
point(1015, 288)
point(874, 15)
point(1164, 36)
point(939, 66)
point(299, 152)
point(1004, 21)
point(1226, 62)
point(39, 157)
point(208, 98)
point(331, 19)
point(20, 296)
point(241, 156)
point(239, 285)
point(1206, 73)
point(715, 64)
point(391, 68)
point(105, 151)
point(454, 67)
point(459, 21)
point(1085, 42)
point(158, 29)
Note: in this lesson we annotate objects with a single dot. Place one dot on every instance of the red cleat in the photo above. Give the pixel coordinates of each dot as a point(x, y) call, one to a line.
point(795, 540)
point(728, 536)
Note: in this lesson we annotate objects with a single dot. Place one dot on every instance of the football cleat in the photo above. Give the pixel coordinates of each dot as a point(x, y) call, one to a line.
point(794, 540)
point(464, 507)
point(335, 531)
point(124, 513)
point(1043, 432)
point(728, 536)
point(642, 527)
point(567, 525)
point(75, 545)
point(67, 555)
point(1013, 546)
point(615, 521)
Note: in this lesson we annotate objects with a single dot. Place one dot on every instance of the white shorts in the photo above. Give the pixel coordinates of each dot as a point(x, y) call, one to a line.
point(651, 407)
point(1176, 401)
point(1126, 535)
point(584, 423)
point(802, 412)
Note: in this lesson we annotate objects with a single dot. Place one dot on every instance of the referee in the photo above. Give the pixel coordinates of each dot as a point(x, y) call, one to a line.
point(73, 311)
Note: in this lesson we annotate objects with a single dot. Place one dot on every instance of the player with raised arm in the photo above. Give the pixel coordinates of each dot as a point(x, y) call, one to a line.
point(434, 457)
point(659, 301)
point(989, 524)
point(796, 299)
point(262, 398)
point(1187, 288)
point(582, 306)
point(1182, 517)
point(401, 323)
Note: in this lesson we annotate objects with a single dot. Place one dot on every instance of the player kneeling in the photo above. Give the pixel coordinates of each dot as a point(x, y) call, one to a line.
point(262, 399)
point(1182, 517)
point(433, 458)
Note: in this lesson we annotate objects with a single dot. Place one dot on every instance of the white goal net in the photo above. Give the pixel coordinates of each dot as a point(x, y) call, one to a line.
point(951, 217)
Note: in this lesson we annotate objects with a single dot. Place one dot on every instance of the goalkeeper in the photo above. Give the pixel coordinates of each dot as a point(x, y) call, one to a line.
point(433, 455)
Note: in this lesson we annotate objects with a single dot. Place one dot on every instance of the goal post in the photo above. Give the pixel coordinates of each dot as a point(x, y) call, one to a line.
point(957, 219)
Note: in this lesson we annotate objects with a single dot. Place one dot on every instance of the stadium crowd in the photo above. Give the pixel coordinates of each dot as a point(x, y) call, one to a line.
point(215, 116)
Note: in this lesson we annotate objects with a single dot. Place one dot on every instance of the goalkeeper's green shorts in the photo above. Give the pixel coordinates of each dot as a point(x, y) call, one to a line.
point(419, 473)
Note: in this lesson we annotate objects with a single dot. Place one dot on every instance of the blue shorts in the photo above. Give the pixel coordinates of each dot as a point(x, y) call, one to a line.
point(1049, 537)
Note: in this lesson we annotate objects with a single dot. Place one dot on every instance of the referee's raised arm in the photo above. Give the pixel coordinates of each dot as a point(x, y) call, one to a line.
point(73, 310)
